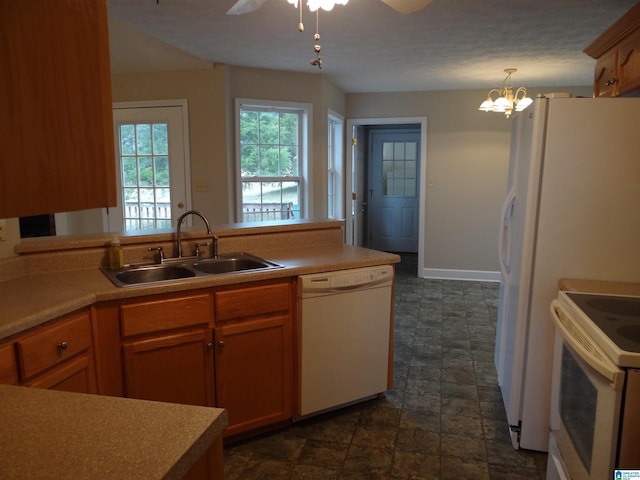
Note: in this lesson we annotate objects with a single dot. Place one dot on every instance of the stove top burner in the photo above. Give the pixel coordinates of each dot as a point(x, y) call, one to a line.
point(617, 317)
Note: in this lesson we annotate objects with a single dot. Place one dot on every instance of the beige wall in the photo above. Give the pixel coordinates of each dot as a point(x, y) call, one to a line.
point(205, 93)
point(211, 95)
point(467, 163)
point(467, 150)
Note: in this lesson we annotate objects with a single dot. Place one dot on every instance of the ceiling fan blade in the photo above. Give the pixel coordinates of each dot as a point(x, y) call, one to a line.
point(245, 6)
point(407, 6)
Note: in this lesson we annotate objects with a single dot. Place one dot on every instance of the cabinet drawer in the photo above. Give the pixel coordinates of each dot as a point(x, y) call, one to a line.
point(8, 368)
point(166, 314)
point(53, 344)
point(255, 300)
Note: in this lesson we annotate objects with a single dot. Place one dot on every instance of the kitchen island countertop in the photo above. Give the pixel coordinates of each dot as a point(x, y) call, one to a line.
point(49, 434)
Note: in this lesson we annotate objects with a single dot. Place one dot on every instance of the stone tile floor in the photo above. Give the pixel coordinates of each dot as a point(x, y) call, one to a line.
point(443, 419)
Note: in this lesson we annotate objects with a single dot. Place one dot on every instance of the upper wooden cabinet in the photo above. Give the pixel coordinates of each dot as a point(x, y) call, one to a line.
point(56, 127)
point(617, 54)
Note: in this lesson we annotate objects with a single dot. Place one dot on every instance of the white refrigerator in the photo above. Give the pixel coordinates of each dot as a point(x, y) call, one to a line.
point(572, 210)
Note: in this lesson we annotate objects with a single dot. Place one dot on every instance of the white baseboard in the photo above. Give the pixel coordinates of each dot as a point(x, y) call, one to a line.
point(470, 275)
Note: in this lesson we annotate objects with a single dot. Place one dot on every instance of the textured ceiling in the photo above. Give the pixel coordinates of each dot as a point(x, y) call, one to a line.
point(367, 46)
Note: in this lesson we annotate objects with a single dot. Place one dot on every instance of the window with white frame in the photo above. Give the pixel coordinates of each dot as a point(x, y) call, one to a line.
point(335, 153)
point(273, 151)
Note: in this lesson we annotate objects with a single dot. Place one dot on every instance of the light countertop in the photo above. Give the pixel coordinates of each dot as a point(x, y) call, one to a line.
point(49, 434)
point(599, 286)
point(31, 300)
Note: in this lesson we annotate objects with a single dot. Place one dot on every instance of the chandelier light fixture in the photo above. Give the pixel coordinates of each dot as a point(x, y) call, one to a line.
point(506, 100)
point(315, 6)
point(323, 4)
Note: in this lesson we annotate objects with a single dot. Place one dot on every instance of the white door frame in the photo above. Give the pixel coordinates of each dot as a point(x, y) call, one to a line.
point(183, 104)
point(350, 227)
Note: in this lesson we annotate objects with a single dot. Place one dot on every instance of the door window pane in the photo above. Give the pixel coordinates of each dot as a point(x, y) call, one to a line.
point(144, 164)
point(399, 165)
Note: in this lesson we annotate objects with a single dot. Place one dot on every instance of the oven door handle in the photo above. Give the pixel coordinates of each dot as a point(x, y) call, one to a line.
point(578, 339)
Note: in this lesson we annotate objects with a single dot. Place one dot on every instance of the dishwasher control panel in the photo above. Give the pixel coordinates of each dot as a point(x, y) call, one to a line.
point(346, 279)
point(358, 277)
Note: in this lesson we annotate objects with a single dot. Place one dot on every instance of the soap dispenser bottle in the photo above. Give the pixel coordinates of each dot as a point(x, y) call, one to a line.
point(116, 254)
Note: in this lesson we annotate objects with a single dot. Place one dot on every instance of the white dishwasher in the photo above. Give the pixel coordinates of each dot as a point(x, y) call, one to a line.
point(345, 331)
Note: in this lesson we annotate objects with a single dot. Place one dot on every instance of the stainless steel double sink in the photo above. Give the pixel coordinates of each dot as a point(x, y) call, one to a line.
point(183, 268)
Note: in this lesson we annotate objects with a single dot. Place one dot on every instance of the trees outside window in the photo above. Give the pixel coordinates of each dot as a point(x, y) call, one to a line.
point(145, 176)
point(272, 157)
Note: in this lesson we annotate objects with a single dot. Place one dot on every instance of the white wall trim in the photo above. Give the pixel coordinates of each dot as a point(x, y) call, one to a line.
point(340, 193)
point(469, 275)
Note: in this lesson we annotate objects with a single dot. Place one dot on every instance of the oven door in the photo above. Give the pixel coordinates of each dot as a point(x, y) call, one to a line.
point(586, 398)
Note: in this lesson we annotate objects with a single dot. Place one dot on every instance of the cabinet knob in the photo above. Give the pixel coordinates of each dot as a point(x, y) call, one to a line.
point(63, 346)
point(210, 345)
point(221, 343)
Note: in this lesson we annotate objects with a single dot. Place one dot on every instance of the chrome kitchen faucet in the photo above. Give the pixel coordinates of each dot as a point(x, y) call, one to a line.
point(179, 228)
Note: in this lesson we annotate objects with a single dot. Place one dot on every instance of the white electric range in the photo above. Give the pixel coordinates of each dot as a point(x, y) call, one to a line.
point(595, 419)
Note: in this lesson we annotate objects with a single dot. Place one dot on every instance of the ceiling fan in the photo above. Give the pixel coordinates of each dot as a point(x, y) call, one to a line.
point(401, 6)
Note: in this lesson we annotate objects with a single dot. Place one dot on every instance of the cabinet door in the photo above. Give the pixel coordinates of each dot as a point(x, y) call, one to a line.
point(629, 64)
point(174, 367)
point(76, 375)
point(605, 75)
point(8, 369)
point(253, 372)
point(56, 127)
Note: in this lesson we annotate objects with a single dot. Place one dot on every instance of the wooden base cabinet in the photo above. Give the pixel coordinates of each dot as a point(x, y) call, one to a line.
point(8, 368)
point(253, 355)
point(167, 349)
point(56, 356)
point(175, 368)
point(59, 355)
point(77, 375)
point(167, 356)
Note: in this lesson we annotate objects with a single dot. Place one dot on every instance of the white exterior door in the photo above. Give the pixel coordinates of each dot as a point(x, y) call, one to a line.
point(152, 166)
